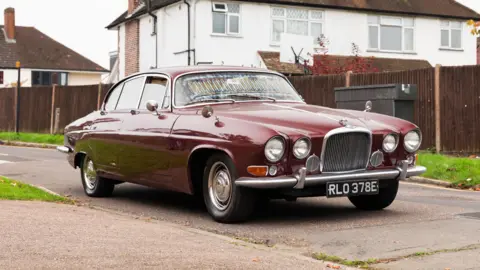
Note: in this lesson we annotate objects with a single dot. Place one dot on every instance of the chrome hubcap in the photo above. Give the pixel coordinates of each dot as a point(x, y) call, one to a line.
point(219, 186)
point(89, 174)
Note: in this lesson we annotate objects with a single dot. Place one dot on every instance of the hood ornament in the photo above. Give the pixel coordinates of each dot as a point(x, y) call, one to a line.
point(344, 122)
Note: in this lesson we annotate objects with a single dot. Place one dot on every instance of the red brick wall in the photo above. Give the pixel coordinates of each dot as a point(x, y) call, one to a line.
point(132, 53)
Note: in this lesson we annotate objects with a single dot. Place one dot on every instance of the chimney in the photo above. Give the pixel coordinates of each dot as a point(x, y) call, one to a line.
point(132, 5)
point(9, 25)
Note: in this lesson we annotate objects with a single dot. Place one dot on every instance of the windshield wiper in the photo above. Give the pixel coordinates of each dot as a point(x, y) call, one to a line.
point(211, 100)
point(252, 96)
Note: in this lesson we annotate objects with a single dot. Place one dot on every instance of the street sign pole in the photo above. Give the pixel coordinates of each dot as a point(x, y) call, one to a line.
point(17, 117)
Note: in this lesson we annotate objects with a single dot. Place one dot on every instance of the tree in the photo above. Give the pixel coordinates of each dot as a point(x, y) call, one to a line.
point(475, 27)
point(327, 64)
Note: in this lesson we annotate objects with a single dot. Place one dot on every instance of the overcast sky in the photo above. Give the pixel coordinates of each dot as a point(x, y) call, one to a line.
point(77, 24)
point(80, 24)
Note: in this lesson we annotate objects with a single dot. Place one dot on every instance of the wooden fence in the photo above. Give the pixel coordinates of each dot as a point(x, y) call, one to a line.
point(452, 92)
point(447, 108)
point(48, 109)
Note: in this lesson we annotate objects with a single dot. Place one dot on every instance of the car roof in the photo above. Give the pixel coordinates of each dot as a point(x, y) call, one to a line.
point(175, 71)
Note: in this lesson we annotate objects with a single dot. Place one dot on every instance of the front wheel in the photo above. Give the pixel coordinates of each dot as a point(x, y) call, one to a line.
point(383, 199)
point(94, 185)
point(225, 202)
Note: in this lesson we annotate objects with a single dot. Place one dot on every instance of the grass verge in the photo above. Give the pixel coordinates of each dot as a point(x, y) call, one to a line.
point(32, 138)
point(14, 190)
point(334, 259)
point(460, 171)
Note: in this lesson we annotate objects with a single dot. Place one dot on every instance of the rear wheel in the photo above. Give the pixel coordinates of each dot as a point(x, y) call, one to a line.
point(94, 185)
point(225, 202)
point(383, 199)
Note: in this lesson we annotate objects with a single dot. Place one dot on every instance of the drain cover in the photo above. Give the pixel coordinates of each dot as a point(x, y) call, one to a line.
point(475, 215)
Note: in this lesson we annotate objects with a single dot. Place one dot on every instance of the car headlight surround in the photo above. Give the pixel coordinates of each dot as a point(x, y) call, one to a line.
point(302, 147)
point(390, 143)
point(274, 149)
point(412, 140)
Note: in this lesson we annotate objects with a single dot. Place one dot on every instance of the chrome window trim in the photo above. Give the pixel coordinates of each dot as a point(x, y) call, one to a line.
point(168, 88)
point(130, 77)
point(126, 81)
point(229, 70)
point(341, 130)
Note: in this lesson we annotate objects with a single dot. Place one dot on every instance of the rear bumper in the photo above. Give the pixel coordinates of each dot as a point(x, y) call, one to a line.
point(300, 180)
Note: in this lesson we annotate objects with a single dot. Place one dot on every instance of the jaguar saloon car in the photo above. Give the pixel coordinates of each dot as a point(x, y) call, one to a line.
point(238, 137)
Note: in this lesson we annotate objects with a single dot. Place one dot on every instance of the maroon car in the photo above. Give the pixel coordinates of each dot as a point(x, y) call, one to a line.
point(238, 137)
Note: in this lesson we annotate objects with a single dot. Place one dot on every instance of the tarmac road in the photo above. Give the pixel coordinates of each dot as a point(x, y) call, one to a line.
point(422, 219)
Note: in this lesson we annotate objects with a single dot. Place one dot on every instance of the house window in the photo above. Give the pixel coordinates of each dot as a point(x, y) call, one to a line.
point(386, 33)
point(226, 18)
point(49, 78)
point(451, 34)
point(296, 21)
point(1, 77)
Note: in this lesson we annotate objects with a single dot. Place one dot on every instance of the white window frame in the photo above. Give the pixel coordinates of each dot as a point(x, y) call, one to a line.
point(449, 28)
point(284, 18)
point(228, 15)
point(402, 25)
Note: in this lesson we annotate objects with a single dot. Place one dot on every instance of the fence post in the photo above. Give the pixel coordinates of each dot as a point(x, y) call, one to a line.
point(438, 141)
point(99, 96)
point(347, 78)
point(57, 120)
point(52, 117)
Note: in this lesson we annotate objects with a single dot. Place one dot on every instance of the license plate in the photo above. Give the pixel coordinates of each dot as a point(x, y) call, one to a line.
point(352, 188)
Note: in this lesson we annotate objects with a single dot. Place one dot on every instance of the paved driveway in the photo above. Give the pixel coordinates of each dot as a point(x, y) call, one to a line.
point(422, 219)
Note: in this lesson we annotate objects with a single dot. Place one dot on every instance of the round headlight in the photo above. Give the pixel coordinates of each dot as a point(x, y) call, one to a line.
point(412, 141)
point(274, 149)
point(301, 148)
point(390, 143)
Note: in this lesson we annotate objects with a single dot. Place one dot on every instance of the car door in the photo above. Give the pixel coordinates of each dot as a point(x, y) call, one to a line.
point(146, 158)
point(103, 134)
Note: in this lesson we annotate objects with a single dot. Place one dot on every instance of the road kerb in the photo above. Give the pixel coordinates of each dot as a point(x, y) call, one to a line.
point(27, 144)
point(423, 180)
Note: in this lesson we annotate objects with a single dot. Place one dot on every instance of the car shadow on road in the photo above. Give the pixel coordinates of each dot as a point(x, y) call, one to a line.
point(306, 209)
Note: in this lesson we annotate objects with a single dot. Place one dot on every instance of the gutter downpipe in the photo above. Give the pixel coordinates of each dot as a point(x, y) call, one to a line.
point(154, 31)
point(189, 26)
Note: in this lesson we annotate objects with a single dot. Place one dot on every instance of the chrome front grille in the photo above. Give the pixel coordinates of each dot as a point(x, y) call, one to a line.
point(346, 151)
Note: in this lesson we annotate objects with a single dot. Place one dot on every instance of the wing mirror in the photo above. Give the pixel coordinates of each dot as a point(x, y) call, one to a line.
point(152, 106)
point(368, 106)
point(207, 111)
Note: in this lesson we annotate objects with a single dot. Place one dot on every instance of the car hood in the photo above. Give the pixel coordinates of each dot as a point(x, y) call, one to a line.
point(307, 119)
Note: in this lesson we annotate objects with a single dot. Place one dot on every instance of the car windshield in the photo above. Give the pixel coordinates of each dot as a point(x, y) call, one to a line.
point(232, 86)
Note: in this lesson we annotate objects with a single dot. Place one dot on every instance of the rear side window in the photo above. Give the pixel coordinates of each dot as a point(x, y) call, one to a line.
point(155, 88)
point(130, 94)
point(113, 98)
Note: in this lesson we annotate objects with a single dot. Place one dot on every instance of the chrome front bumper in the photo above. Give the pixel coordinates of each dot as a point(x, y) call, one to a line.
point(64, 149)
point(300, 180)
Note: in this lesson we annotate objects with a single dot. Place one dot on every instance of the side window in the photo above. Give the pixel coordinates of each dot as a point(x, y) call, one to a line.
point(155, 88)
point(130, 94)
point(113, 98)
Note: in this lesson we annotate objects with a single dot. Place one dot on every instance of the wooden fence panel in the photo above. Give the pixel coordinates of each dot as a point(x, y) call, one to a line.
point(318, 90)
point(35, 107)
point(460, 109)
point(75, 102)
point(424, 113)
point(7, 109)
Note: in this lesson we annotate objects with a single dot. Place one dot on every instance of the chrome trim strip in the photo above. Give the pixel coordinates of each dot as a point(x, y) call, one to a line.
point(266, 71)
point(320, 179)
point(340, 130)
point(64, 149)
